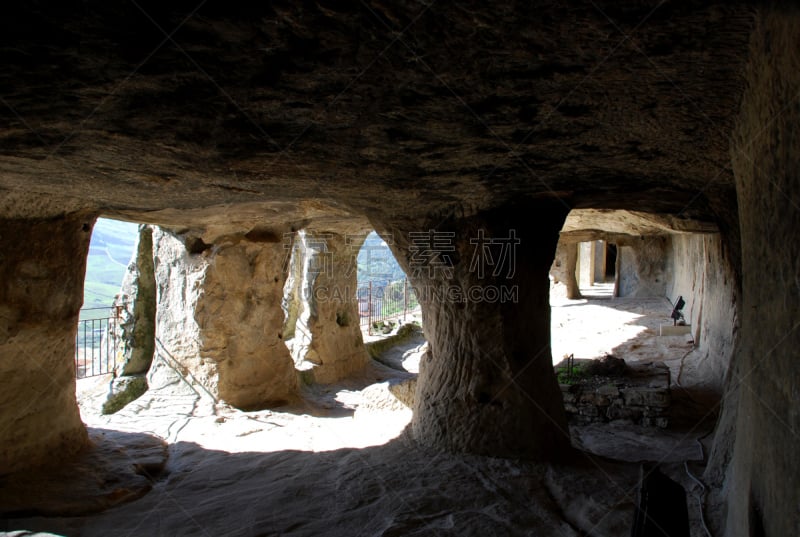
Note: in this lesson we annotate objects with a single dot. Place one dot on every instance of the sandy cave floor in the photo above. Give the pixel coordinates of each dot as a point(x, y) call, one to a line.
point(335, 463)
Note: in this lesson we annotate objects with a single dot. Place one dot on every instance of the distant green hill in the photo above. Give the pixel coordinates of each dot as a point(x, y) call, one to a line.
point(112, 246)
point(376, 263)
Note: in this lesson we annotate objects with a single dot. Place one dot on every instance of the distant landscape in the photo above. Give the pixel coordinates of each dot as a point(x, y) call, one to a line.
point(376, 263)
point(111, 249)
point(113, 244)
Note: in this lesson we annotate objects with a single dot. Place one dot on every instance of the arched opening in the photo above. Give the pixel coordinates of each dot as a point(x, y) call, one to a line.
point(632, 369)
point(386, 299)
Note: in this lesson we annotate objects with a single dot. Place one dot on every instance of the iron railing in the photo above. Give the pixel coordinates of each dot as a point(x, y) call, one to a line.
point(382, 301)
point(96, 341)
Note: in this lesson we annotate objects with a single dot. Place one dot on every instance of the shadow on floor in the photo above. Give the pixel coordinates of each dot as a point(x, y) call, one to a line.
point(390, 490)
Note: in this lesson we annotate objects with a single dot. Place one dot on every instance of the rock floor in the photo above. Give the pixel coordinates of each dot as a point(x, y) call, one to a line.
point(318, 467)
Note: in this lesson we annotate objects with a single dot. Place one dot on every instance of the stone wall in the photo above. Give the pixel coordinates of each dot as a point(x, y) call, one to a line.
point(42, 267)
point(702, 274)
point(487, 385)
point(641, 396)
point(179, 280)
point(760, 425)
point(644, 268)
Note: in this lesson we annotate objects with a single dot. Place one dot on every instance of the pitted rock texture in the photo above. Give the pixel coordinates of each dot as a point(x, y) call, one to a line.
point(644, 268)
point(220, 319)
point(179, 279)
point(241, 324)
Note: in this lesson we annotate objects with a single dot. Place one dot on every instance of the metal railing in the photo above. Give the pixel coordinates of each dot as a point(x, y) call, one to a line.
point(96, 341)
point(382, 301)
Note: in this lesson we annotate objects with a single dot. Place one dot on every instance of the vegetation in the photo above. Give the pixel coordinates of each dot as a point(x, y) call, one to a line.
point(110, 251)
point(579, 372)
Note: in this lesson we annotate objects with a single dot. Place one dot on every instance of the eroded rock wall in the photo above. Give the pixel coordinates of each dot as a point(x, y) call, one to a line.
point(220, 319)
point(42, 268)
point(241, 324)
point(701, 272)
point(760, 491)
point(644, 268)
point(180, 276)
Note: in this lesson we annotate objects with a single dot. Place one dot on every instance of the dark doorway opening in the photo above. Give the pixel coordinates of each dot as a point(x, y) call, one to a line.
point(611, 261)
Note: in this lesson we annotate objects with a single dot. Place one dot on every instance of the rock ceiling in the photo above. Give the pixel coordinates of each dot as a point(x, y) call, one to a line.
point(159, 111)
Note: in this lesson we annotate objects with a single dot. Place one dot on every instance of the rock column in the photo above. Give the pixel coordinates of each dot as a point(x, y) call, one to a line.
point(220, 318)
point(487, 385)
point(327, 333)
point(565, 267)
point(137, 305)
point(42, 268)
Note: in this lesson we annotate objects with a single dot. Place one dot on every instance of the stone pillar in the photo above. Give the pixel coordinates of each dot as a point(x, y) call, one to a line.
point(487, 385)
point(586, 254)
point(220, 317)
point(42, 268)
point(565, 268)
point(136, 303)
point(599, 261)
point(328, 334)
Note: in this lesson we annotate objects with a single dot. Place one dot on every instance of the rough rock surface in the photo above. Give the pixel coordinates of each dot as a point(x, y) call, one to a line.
point(115, 468)
point(327, 333)
point(136, 309)
point(701, 273)
point(420, 116)
point(643, 266)
point(241, 323)
point(545, 98)
point(762, 390)
point(564, 266)
point(179, 279)
point(42, 263)
point(123, 390)
point(487, 384)
point(219, 317)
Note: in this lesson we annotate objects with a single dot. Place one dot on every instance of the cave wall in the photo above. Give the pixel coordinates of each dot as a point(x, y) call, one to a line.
point(760, 489)
point(644, 266)
point(42, 268)
point(702, 273)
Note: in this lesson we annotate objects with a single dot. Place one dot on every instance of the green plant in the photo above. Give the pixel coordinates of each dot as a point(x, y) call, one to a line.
point(579, 373)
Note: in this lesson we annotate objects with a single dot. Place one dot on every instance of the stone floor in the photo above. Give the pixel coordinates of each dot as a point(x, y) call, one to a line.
point(331, 464)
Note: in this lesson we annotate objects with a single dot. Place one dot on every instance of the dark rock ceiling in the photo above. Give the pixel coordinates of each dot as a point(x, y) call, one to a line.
point(400, 108)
